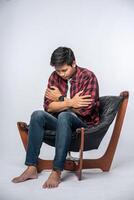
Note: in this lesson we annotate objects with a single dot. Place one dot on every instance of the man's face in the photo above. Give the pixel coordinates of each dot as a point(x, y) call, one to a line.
point(65, 71)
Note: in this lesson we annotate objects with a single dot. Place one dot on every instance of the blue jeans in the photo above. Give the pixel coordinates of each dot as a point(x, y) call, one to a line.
point(64, 125)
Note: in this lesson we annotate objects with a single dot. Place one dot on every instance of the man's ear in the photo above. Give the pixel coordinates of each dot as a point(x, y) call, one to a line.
point(74, 64)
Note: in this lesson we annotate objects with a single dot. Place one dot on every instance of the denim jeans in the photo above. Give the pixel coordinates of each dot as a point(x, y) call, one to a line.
point(64, 125)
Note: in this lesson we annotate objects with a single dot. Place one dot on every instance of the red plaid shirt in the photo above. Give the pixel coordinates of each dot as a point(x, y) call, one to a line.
point(84, 80)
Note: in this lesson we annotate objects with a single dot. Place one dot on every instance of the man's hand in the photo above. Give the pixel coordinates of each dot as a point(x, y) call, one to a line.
point(80, 101)
point(53, 93)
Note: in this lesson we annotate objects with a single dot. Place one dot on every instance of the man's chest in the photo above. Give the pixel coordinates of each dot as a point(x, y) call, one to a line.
point(70, 88)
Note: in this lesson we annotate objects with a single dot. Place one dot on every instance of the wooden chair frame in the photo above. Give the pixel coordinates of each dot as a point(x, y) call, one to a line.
point(103, 163)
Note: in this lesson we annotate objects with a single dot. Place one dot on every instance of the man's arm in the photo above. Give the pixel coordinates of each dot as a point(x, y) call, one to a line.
point(59, 106)
point(90, 86)
point(76, 102)
point(53, 94)
point(51, 82)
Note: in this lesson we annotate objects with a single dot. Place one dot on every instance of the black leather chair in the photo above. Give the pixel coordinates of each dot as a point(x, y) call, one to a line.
point(85, 139)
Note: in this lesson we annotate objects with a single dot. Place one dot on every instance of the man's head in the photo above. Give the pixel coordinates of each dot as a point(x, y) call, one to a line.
point(63, 60)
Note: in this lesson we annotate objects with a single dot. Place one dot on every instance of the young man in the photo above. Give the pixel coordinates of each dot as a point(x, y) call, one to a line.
point(65, 110)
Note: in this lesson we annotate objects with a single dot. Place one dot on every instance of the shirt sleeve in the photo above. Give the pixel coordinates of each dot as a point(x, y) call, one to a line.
point(51, 82)
point(89, 85)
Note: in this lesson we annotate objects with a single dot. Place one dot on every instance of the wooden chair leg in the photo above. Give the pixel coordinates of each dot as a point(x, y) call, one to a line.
point(22, 127)
point(80, 162)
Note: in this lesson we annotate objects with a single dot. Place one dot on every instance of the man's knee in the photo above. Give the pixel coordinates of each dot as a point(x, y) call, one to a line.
point(37, 115)
point(64, 116)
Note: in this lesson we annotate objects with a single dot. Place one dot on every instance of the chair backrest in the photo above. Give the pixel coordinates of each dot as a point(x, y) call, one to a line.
point(109, 106)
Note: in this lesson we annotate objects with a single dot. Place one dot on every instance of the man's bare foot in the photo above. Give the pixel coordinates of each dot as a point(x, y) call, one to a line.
point(53, 180)
point(29, 173)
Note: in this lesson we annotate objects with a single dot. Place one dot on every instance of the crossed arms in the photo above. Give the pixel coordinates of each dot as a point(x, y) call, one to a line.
point(74, 103)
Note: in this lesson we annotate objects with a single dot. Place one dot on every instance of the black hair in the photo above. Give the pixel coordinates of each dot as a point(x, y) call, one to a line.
point(61, 56)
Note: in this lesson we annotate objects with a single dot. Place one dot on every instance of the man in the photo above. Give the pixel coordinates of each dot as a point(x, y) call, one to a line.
point(65, 110)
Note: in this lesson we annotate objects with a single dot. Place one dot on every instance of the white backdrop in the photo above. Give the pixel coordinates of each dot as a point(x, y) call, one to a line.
point(101, 34)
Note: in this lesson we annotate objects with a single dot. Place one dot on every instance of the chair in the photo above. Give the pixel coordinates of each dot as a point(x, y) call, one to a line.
point(85, 139)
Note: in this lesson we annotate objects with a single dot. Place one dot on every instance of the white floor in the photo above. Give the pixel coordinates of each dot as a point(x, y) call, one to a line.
point(114, 185)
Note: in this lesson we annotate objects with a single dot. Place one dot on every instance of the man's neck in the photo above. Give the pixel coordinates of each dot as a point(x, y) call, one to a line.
point(75, 69)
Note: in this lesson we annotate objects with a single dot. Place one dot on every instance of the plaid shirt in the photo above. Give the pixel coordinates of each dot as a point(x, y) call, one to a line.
point(84, 80)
